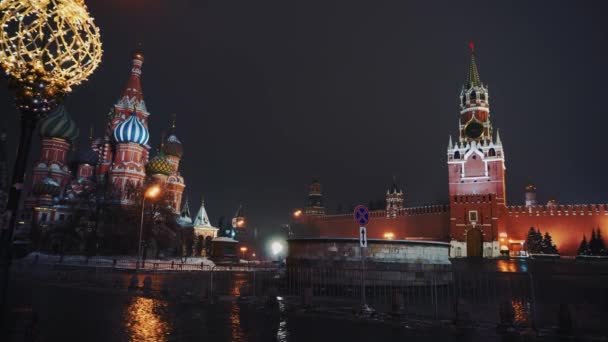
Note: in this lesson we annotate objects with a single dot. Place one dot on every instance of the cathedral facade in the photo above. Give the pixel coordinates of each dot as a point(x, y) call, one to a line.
point(112, 167)
point(477, 219)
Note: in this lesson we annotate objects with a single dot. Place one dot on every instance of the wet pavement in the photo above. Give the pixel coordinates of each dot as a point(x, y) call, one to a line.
point(72, 310)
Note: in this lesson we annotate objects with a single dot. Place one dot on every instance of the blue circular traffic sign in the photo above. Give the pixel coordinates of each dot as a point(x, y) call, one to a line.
point(361, 215)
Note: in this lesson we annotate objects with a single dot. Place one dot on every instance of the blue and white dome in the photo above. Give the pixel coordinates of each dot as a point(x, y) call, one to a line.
point(131, 131)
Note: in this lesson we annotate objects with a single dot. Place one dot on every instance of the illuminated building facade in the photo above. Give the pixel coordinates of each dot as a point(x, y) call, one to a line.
point(113, 167)
point(478, 220)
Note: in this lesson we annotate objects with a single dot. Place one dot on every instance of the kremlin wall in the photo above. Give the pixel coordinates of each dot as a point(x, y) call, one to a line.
point(478, 221)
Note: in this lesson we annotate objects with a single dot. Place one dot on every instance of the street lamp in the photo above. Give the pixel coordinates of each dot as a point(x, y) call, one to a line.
point(46, 47)
point(244, 250)
point(276, 248)
point(151, 192)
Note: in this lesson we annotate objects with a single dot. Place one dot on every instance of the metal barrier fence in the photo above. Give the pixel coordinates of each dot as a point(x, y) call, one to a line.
point(535, 298)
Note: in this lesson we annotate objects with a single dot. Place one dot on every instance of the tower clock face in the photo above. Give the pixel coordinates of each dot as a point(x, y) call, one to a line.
point(473, 130)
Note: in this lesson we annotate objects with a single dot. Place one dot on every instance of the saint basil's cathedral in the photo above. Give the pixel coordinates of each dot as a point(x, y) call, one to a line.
point(478, 221)
point(115, 167)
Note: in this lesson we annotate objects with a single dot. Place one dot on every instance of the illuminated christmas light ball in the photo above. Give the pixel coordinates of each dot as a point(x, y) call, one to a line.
point(47, 46)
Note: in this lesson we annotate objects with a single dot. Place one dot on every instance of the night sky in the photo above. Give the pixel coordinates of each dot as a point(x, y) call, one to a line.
point(270, 94)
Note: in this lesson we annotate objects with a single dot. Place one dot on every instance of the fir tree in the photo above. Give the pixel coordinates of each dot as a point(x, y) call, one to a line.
point(601, 246)
point(583, 249)
point(534, 241)
point(548, 246)
point(593, 244)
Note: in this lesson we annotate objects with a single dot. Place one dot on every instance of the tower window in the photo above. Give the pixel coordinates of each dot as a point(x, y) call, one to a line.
point(492, 153)
point(473, 96)
point(482, 96)
point(457, 155)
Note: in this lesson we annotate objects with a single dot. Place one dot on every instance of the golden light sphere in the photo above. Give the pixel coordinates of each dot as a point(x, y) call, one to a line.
point(55, 38)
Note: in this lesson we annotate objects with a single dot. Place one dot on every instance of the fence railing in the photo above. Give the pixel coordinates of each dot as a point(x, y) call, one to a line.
point(535, 298)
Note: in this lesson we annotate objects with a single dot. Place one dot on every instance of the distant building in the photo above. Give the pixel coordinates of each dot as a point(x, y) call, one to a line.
point(477, 221)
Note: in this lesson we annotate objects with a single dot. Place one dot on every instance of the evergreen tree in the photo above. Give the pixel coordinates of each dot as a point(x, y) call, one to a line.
point(601, 246)
point(593, 244)
point(534, 241)
point(198, 246)
point(548, 246)
point(583, 249)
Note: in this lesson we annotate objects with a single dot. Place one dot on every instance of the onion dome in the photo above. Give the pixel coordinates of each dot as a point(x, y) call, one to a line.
point(88, 156)
point(60, 125)
point(131, 131)
point(159, 165)
point(173, 147)
point(47, 186)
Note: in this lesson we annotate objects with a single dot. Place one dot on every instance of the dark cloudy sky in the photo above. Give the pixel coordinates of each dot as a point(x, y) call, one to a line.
point(271, 93)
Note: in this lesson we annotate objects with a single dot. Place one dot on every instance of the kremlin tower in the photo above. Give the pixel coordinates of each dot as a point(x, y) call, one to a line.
point(476, 173)
point(394, 199)
point(315, 199)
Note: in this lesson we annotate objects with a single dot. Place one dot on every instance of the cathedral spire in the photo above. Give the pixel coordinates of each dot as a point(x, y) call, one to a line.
point(133, 88)
point(201, 218)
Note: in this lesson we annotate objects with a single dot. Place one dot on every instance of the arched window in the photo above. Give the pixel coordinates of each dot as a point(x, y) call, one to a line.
point(492, 153)
point(473, 96)
point(457, 155)
point(482, 96)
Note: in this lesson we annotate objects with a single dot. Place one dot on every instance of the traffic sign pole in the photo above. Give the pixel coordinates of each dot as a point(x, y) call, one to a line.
point(361, 216)
point(363, 247)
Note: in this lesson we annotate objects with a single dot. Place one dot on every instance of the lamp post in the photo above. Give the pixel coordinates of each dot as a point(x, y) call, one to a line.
point(244, 250)
point(151, 192)
point(46, 47)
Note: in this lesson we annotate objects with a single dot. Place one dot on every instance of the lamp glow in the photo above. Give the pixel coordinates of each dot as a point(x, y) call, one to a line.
point(276, 248)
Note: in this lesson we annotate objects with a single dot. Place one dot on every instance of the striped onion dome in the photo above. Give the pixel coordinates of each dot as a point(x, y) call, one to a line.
point(131, 131)
point(47, 186)
point(173, 147)
point(159, 165)
point(60, 125)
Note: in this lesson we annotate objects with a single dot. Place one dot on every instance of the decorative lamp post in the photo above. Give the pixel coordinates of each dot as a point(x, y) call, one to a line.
point(151, 192)
point(46, 47)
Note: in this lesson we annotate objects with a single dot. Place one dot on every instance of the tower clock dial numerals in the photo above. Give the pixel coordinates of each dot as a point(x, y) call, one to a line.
point(473, 130)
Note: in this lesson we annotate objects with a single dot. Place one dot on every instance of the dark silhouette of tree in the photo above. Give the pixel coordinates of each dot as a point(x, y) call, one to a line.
point(601, 245)
point(534, 241)
point(597, 246)
point(547, 246)
point(198, 245)
point(583, 249)
point(187, 239)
